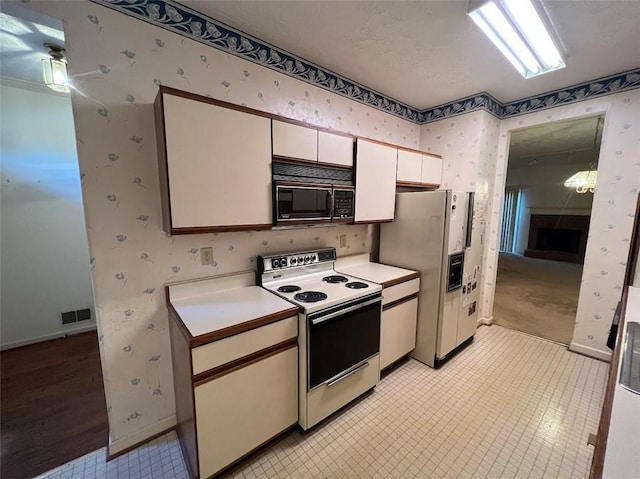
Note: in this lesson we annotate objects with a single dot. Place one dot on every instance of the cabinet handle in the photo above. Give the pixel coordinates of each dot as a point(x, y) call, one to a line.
point(322, 319)
point(349, 372)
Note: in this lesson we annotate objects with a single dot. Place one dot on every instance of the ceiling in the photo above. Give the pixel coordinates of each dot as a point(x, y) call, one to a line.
point(574, 142)
point(425, 53)
point(422, 53)
point(22, 37)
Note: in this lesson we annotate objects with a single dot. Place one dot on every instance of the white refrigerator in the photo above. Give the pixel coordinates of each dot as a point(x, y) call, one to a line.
point(432, 233)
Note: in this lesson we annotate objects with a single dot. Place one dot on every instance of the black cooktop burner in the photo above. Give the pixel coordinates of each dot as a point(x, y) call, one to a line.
point(310, 296)
point(356, 285)
point(335, 278)
point(289, 288)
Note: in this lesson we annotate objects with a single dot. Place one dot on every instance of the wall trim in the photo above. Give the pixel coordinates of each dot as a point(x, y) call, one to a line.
point(47, 337)
point(174, 17)
point(589, 351)
point(127, 443)
point(485, 321)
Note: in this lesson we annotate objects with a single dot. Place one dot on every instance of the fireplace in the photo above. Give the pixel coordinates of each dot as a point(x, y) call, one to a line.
point(558, 237)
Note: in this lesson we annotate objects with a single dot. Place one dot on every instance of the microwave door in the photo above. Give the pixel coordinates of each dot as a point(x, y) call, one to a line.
point(300, 203)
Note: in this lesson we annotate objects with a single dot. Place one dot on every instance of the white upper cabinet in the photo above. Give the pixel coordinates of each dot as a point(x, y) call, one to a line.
point(431, 170)
point(409, 166)
point(212, 153)
point(295, 141)
point(375, 181)
point(335, 149)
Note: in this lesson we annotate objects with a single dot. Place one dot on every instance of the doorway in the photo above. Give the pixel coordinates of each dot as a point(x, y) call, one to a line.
point(545, 225)
point(53, 406)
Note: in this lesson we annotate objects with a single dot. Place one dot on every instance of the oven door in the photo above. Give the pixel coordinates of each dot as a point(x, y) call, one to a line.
point(341, 340)
point(302, 203)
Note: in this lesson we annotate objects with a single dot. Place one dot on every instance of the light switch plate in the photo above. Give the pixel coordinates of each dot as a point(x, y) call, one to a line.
point(343, 241)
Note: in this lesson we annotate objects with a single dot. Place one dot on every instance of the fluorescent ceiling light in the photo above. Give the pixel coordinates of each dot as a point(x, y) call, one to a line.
point(516, 28)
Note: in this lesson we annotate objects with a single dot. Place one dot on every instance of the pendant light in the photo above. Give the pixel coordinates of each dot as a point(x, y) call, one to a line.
point(585, 180)
point(54, 69)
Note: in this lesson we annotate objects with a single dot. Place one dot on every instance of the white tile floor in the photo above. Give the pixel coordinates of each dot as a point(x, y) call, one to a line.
point(509, 406)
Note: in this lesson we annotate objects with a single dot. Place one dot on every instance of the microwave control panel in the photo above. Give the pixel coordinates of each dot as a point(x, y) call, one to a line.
point(343, 203)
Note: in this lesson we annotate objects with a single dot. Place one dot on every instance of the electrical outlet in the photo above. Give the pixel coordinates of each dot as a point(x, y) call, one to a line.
point(206, 256)
point(343, 241)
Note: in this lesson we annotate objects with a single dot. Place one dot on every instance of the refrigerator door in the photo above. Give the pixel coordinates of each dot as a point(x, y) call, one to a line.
point(415, 240)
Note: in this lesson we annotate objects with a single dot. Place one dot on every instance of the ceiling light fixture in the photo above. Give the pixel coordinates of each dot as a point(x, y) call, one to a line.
point(54, 69)
point(583, 181)
point(517, 28)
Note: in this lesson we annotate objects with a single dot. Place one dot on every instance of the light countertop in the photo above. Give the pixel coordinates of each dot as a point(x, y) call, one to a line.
point(360, 267)
point(622, 456)
point(216, 305)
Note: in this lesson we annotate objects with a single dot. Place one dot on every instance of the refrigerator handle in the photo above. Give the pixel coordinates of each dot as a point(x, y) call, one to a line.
point(468, 228)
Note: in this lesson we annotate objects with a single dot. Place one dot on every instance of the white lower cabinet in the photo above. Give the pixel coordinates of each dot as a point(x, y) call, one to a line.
point(239, 411)
point(398, 331)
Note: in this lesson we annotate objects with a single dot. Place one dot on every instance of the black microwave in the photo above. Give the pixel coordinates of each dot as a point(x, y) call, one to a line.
point(308, 203)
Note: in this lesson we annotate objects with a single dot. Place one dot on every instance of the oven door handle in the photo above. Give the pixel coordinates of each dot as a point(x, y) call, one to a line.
point(343, 311)
point(354, 369)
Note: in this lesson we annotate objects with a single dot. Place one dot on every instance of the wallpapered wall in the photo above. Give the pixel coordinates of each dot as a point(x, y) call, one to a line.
point(116, 63)
point(611, 218)
point(471, 139)
point(468, 144)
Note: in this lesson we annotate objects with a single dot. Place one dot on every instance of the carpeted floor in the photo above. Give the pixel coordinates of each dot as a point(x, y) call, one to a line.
point(537, 296)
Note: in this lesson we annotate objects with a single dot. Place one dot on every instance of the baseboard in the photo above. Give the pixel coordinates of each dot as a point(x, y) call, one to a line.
point(589, 351)
point(127, 443)
point(485, 321)
point(47, 337)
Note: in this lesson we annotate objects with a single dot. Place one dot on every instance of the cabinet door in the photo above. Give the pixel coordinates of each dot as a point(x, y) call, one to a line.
point(239, 411)
point(431, 170)
point(375, 181)
point(398, 331)
point(409, 166)
point(295, 141)
point(335, 149)
point(218, 165)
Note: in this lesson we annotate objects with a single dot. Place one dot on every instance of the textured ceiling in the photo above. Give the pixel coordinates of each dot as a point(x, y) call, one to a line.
point(571, 141)
point(430, 52)
point(22, 37)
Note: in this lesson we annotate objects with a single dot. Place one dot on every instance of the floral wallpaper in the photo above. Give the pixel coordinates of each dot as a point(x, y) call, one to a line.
point(475, 146)
point(468, 144)
point(611, 217)
point(116, 64)
point(177, 18)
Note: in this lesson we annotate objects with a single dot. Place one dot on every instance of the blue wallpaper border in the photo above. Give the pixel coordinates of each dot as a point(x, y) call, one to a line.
point(172, 16)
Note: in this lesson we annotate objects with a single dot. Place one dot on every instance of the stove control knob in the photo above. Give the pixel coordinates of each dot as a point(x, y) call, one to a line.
point(300, 259)
point(307, 259)
point(293, 261)
point(276, 263)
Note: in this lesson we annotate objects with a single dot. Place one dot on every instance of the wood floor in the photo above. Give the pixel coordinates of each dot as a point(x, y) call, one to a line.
point(53, 408)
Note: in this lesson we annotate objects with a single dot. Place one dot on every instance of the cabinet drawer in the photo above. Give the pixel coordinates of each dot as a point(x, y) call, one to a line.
point(399, 291)
point(242, 410)
point(398, 331)
point(324, 400)
point(228, 349)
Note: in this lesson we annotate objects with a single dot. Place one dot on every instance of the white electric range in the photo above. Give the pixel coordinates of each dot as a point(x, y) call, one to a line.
point(338, 328)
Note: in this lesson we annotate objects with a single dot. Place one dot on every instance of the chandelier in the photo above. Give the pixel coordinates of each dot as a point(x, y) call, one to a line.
point(583, 181)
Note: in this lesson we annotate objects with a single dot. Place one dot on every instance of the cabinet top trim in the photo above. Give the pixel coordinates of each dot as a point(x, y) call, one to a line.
point(166, 90)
